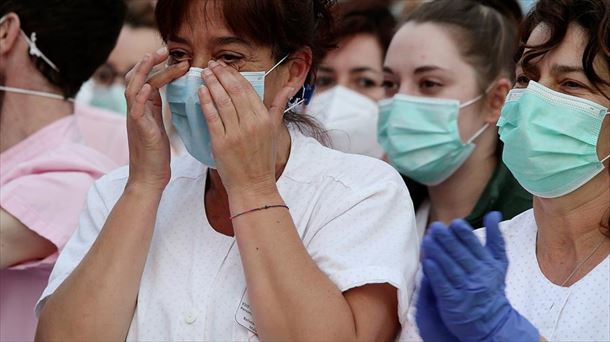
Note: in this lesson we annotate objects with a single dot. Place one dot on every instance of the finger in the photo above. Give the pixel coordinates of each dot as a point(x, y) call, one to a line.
point(158, 57)
point(451, 269)
point(215, 125)
point(454, 247)
point(495, 242)
point(465, 233)
point(168, 74)
point(438, 281)
point(279, 103)
point(137, 105)
point(223, 103)
point(237, 87)
point(256, 102)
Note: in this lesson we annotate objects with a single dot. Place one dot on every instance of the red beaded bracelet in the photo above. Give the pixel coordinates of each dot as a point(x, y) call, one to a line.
point(261, 208)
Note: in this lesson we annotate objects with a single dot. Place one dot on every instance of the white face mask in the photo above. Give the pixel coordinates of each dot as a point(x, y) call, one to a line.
point(350, 118)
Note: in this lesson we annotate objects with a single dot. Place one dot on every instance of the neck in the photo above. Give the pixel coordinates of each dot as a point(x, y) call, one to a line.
point(23, 115)
point(457, 196)
point(571, 224)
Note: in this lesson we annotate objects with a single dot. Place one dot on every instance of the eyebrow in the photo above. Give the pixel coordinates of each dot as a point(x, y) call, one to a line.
point(231, 40)
point(566, 69)
point(216, 41)
point(427, 68)
point(364, 69)
point(325, 68)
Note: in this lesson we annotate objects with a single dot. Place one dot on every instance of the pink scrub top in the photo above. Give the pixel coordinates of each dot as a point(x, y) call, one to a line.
point(104, 131)
point(43, 183)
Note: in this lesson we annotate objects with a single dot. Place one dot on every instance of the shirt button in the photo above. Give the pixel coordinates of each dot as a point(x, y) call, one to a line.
point(190, 317)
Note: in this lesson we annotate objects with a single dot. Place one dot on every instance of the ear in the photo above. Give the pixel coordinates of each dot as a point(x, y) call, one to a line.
point(10, 29)
point(495, 99)
point(299, 65)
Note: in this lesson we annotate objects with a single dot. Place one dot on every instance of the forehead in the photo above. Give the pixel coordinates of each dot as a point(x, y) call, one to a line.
point(422, 43)
point(202, 20)
point(569, 52)
point(362, 50)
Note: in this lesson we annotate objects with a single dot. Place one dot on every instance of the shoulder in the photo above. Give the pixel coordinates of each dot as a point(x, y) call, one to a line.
point(314, 162)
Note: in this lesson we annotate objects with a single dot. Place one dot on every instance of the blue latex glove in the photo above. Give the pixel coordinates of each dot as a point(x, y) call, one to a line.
point(468, 281)
point(429, 323)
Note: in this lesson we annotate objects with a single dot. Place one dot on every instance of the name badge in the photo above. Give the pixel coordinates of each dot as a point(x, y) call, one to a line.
point(243, 315)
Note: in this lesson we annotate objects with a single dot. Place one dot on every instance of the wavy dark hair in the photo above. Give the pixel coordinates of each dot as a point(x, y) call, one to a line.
point(592, 15)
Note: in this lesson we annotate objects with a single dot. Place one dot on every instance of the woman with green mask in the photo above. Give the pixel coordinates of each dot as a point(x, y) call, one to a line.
point(545, 274)
point(451, 68)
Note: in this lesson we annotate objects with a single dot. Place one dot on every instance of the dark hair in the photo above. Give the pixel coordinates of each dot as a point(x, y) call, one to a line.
point(140, 14)
point(592, 15)
point(355, 18)
point(487, 32)
point(283, 25)
point(76, 35)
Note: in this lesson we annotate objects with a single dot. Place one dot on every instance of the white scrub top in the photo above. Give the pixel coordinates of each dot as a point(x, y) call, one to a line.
point(580, 312)
point(353, 213)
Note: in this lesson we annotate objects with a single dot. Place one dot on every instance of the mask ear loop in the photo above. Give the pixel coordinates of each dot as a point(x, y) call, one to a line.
point(468, 103)
point(35, 93)
point(298, 103)
point(275, 66)
point(35, 51)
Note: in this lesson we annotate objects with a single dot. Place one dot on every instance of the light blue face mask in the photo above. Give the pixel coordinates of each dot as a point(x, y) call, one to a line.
point(550, 139)
point(421, 138)
point(187, 117)
point(111, 98)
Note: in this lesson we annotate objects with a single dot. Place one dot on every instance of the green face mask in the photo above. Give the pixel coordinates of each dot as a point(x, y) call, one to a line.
point(421, 138)
point(550, 139)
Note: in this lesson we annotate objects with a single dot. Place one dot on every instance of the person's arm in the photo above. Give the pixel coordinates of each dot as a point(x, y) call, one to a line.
point(20, 244)
point(291, 298)
point(97, 301)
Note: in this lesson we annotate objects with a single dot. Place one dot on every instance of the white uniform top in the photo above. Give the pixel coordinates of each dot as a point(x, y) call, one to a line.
point(580, 312)
point(353, 213)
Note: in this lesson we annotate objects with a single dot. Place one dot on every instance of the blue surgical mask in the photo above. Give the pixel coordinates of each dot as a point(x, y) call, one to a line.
point(187, 117)
point(550, 139)
point(421, 138)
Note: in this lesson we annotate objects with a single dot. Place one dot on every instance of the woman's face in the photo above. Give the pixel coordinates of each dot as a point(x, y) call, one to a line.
point(357, 63)
point(204, 37)
point(424, 60)
point(561, 70)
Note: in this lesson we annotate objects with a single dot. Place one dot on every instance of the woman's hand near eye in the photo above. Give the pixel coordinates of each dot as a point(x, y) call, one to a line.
point(149, 151)
point(242, 130)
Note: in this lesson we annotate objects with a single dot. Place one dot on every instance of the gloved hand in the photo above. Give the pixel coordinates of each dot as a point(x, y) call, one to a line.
point(468, 281)
point(429, 323)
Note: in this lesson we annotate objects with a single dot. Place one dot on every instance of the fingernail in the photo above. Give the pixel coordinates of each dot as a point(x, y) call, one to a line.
point(207, 72)
point(146, 57)
point(162, 51)
point(212, 64)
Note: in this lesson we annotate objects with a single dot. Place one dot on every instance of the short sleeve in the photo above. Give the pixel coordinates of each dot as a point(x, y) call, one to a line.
point(373, 241)
point(91, 222)
point(47, 203)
